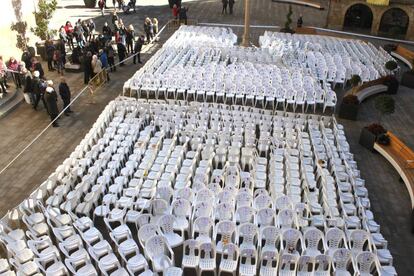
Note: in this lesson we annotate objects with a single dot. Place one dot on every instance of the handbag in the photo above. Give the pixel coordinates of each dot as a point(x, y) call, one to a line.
point(27, 98)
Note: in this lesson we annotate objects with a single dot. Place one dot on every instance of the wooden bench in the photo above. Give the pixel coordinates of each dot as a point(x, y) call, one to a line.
point(404, 55)
point(402, 158)
point(368, 89)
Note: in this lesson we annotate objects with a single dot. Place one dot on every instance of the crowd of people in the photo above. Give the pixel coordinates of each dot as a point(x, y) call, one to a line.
point(94, 52)
point(227, 3)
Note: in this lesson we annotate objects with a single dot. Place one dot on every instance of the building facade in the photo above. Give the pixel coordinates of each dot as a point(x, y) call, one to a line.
point(394, 20)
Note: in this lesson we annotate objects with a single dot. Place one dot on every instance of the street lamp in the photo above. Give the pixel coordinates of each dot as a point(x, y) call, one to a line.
point(246, 34)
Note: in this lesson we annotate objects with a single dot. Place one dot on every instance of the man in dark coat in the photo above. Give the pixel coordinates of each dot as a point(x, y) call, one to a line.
point(225, 3)
point(35, 89)
point(51, 103)
point(64, 92)
point(87, 67)
point(182, 14)
point(50, 50)
point(231, 4)
point(121, 53)
point(137, 48)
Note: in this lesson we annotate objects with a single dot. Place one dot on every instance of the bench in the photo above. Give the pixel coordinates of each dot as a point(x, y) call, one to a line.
point(404, 55)
point(368, 89)
point(402, 159)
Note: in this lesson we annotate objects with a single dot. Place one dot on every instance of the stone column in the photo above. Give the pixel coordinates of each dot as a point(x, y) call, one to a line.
point(246, 35)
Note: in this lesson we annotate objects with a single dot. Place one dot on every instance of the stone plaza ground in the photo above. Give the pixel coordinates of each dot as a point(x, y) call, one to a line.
point(389, 197)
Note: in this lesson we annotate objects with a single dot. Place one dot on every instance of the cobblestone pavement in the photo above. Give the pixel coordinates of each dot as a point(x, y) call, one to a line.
point(389, 197)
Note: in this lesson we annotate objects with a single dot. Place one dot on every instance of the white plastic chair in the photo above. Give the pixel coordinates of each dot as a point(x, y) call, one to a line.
point(229, 259)
point(160, 254)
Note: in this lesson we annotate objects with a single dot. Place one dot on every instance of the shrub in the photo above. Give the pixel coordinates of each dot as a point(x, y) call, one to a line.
point(350, 99)
point(376, 129)
point(391, 65)
point(385, 105)
point(288, 18)
point(355, 80)
point(383, 139)
point(43, 14)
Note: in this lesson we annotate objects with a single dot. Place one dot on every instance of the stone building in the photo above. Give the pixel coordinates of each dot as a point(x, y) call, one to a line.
point(390, 18)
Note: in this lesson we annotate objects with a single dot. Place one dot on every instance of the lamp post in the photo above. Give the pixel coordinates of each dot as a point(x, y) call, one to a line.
point(246, 34)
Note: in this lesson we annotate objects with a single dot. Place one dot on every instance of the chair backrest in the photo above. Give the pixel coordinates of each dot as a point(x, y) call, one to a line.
point(342, 259)
point(291, 239)
point(248, 232)
point(155, 246)
point(146, 232)
point(207, 251)
point(226, 229)
point(323, 263)
point(335, 238)
point(313, 239)
point(288, 263)
point(306, 264)
point(359, 241)
point(366, 263)
point(266, 216)
point(270, 235)
point(191, 248)
point(181, 207)
point(230, 252)
point(245, 214)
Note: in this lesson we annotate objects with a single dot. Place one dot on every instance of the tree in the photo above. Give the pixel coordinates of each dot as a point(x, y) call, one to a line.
point(43, 14)
point(385, 105)
point(288, 18)
point(20, 26)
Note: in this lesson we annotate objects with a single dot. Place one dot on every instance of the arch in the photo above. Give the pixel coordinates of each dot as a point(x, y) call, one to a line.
point(358, 17)
point(394, 23)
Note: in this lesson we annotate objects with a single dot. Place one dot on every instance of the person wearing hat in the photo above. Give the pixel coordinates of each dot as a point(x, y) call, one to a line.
point(35, 93)
point(50, 98)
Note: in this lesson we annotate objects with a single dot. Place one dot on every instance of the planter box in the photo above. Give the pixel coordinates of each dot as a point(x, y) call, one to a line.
point(348, 111)
point(392, 84)
point(367, 139)
point(408, 79)
point(90, 3)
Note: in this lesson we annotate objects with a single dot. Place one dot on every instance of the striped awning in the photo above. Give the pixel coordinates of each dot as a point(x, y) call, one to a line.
point(379, 2)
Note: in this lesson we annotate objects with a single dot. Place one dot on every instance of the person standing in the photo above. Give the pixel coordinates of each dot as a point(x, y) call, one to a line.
point(148, 28)
point(35, 89)
point(91, 29)
point(50, 98)
point(27, 58)
point(101, 5)
point(155, 25)
point(87, 67)
point(69, 32)
point(138, 48)
point(225, 3)
point(121, 53)
point(183, 15)
point(175, 11)
point(107, 32)
point(130, 36)
point(231, 4)
point(13, 66)
point(50, 50)
point(104, 61)
point(37, 66)
point(64, 92)
point(111, 57)
point(96, 65)
point(300, 22)
point(27, 90)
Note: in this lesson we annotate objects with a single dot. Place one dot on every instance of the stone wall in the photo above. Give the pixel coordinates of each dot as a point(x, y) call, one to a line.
point(338, 10)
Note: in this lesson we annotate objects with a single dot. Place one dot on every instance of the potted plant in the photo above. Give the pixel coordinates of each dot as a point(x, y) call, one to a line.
point(90, 3)
point(349, 107)
point(43, 14)
point(369, 135)
point(287, 28)
point(355, 81)
point(391, 65)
